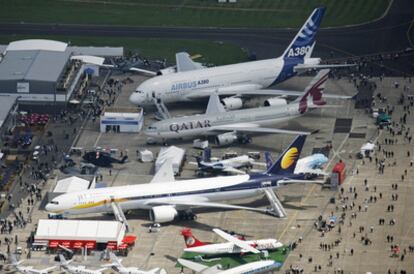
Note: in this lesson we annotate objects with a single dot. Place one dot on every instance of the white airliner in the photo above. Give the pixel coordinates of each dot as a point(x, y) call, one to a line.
point(234, 245)
point(118, 267)
point(79, 269)
point(165, 197)
point(229, 127)
point(266, 266)
point(194, 82)
point(29, 269)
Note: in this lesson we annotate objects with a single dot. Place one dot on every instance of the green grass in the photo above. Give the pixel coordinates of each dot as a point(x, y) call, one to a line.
point(212, 52)
point(234, 260)
point(204, 13)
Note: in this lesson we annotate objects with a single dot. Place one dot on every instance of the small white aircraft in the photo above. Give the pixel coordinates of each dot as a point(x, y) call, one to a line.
point(231, 165)
point(29, 269)
point(254, 267)
point(79, 269)
point(234, 245)
point(118, 267)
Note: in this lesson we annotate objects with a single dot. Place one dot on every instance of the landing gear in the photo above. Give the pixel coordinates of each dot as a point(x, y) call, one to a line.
point(187, 215)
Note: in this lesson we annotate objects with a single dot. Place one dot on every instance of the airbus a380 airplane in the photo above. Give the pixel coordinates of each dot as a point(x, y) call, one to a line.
point(195, 82)
point(165, 198)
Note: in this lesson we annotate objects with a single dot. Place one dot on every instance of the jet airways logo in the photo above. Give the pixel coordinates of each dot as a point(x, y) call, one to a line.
point(190, 125)
point(188, 85)
point(289, 158)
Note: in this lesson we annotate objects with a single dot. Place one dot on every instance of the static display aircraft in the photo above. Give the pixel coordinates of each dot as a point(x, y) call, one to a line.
point(308, 165)
point(79, 269)
point(166, 198)
point(195, 82)
point(266, 266)
point(233, 246)
point(29, 269)
point(102, 159)
point(232, 126)
point(118, 267)
point(231, 165)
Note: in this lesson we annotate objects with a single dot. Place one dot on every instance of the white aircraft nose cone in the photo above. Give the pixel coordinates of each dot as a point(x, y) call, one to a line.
point(133, 98)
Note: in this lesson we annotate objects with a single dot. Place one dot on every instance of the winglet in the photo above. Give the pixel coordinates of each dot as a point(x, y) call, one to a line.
point(287, 161)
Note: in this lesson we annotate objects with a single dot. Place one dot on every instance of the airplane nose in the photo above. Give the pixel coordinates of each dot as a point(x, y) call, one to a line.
point(49, 207)
point(133, 98)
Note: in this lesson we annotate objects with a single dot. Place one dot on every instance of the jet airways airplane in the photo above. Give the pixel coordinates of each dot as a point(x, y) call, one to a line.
point(195, 82)
point(266, 266)
point(166, 198)
point(120, 268)
point(232, 126)
point(29, 269)
point(79, 269)
point(233, 246)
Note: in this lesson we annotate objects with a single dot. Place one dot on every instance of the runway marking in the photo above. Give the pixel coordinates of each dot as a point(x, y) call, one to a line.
point(97, 139)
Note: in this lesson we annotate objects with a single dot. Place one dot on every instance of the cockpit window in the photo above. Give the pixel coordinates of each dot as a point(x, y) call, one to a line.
point(152, 128)
point(54, 202)
point(139, 91)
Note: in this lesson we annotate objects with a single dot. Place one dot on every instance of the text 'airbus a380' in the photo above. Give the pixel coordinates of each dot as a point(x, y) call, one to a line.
point(192, 81)
point(165, 198)
point(232, 126)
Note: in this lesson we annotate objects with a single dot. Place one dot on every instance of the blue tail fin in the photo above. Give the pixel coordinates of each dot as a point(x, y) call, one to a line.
point(286, 162)
point(304, 40)
point(207, 155)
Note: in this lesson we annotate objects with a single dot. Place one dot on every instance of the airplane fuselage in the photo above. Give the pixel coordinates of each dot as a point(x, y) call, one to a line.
point(199, 125)
point(230, 248)
point(228, 79)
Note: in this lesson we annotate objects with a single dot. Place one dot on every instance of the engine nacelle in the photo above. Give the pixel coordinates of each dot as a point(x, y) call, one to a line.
point(227, 138)
point(231, 103)
point(275, 102)
point(163, 214)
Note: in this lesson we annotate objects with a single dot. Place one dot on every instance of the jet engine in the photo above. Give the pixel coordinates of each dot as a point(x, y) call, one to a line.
point(231, 103)
point(227, 138)
point(163, 214)
point(275, 102)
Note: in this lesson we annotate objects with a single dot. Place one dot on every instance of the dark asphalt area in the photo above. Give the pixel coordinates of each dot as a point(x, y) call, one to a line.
point(394, 32)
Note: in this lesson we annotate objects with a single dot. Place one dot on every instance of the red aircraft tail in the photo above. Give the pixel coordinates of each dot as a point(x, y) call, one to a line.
point(190, 240)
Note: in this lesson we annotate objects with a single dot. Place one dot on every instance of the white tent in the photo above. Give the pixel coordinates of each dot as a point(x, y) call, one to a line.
point(146, 156)
point(176, 154)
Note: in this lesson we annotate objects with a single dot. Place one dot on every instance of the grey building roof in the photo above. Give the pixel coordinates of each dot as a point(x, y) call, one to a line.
point(33, 65)
point(6, 103)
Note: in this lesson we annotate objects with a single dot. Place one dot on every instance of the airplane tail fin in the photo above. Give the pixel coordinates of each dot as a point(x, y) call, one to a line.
point(302, 45)
point(312, 96)
point(287, 161)
point(190, 240)
point(207, 155)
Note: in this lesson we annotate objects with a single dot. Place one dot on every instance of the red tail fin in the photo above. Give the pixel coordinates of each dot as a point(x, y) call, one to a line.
point(315, 90)
point(190, 240)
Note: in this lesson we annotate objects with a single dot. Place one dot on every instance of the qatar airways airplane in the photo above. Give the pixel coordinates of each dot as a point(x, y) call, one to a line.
point(166, 198)
point(191, 81)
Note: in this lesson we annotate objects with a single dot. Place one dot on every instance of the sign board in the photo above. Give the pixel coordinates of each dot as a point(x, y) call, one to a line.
point(23, 87)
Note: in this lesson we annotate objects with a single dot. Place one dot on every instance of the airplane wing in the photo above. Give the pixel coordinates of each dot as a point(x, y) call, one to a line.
point(192, 203)
point(279, 92)
point(288, 181)
point(302, 67)
point(233, 170)
point(165, 173)
point(184, 62)
point(144, 71)
point(46, 270)
point(199, 267)
point(235, 241)
point(100, 270)
point(249, 127)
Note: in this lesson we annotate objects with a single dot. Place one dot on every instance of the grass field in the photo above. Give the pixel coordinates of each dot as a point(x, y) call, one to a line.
point(230, 261)
point(212, 52)
point(204, 13)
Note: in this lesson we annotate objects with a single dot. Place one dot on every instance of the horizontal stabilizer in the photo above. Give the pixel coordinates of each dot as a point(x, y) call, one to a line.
point(303, 67)
point(144, 71)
